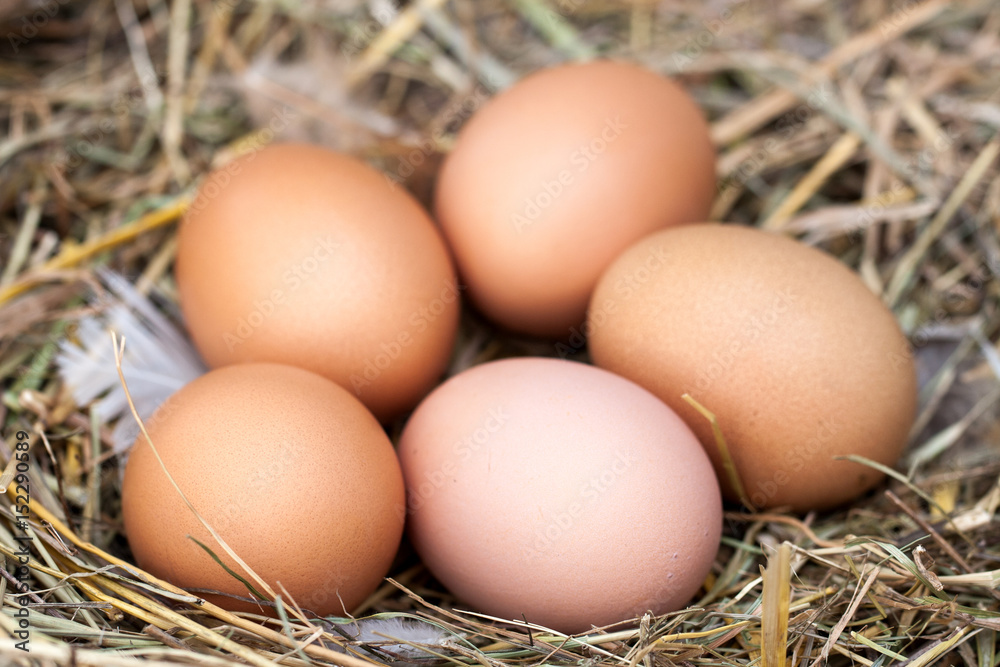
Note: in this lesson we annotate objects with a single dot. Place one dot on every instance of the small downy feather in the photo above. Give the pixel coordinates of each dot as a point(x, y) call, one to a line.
point(158, 359)
point(380, 632)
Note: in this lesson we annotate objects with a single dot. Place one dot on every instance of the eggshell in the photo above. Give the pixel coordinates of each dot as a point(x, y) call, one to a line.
point(798, 360)
point(559, 491)
point(555, 176)
point(290, 469)
point(300, 255)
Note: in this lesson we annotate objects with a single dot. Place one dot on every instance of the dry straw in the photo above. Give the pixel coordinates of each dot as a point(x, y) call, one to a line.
point(869, 127)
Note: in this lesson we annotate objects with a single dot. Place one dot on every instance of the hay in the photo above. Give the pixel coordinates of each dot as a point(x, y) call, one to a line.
point(869, 127)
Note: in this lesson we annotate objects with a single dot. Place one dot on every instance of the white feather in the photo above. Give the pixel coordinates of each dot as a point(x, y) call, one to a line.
point(158, 358)
point(381, 632)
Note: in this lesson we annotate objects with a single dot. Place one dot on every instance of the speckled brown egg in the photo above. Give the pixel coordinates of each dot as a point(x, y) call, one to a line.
point(290, 470)
point(796, 357)
point(300, 255)
point(558, 174)
point(558, 492)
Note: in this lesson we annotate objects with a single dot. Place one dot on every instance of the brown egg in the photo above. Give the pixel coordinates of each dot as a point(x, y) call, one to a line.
point(798, 360)
point(290, 470)
point(557, 175)
point(559, 491)
point(299, 255)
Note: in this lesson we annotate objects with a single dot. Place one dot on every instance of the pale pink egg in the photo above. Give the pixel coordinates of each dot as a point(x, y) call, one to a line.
point(559, 491)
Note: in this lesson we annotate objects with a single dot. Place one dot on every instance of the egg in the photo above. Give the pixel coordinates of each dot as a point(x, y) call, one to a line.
point(291, 470)
point(300, 255)
point(798, 360)
point(558, 492)
point(550, 180)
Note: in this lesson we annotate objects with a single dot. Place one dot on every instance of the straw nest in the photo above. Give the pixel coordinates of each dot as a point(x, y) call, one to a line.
point(868, 127)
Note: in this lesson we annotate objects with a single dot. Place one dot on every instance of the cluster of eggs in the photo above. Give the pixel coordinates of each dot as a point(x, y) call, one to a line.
point(326, 300)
